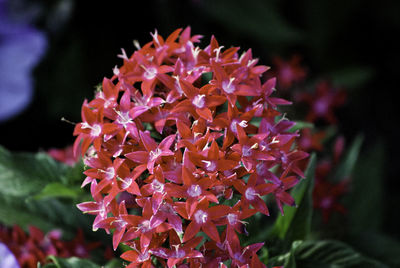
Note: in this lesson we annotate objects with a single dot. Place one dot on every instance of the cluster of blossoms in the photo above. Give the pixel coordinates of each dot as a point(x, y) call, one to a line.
point(322, 104)
point(183, 140)
point(33, 248)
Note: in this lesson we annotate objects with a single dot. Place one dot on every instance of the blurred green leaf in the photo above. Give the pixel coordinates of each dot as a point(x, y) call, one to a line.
point(301, 125)
point(17, 213)
point(45, 214)
point(258, 19)
point(351, 76)
point(72, 262)
point(365, 200)
point(22, 174)
point(348, 162)
point(74, 175)
point(29, 185)
point(59, 190)
point(330, 253)
point(114, 263)
point(378, 246)
point(290, 261)
point(206, 77)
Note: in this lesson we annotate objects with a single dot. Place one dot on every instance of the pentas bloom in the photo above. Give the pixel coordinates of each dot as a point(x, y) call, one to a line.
point(323, 102)
point(327, 195)
point(289, 72)
point(65, 155)
point(33, 248)
point(175, 137)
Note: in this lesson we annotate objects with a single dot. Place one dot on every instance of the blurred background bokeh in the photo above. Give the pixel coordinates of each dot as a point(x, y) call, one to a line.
point(54, 53)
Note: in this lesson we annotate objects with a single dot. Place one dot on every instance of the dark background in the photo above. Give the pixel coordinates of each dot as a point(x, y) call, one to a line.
point(351, 42)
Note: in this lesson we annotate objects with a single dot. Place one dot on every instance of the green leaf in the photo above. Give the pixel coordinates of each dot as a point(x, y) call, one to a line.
point(366, 194)
point(74, 175)
point(296, 223)
point(72, 262)
point(264, 255)
point(206, 77)
point(45, 214)
point(331, 253)
point(258, 19)
point(114, 263)
point(57, 189)
point(290, 261)
point(301, 125)
point(378, 246)
point(352, 76)
point(287, 259)
point(22, 174)
point(347, 164)
point(12, 212)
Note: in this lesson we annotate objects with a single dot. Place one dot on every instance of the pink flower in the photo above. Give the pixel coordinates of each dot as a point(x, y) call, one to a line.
point(175, 147)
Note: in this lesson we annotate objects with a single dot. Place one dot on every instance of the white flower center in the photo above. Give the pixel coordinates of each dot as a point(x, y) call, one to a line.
point(143, 256)
point(110, 173)
point(150, 73)
point(250, 193)
point(109, 102)
point(126, 183)
point(153, 155)
point(120, 223)
point(228, 87)
point(194, 190)
point(201, 216)
point(232, 218)
point(124, 118)
point(179, 253)
point(144, 226)
point(199, 101)
point(242, 123)
point(157, 186)
point(246, 151)
point(211, 166)
point(96, 130)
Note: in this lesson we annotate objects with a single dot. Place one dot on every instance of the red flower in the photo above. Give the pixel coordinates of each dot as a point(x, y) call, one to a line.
point(202, 218)
point(92, 129)
point(153, 152)
point(323, 102)
point(65, 155)
point(178, 252)
point(176, 132)
point(289, 72)
point(242, 256)
point(35, 246)
point(326, 197)
point(252, 193)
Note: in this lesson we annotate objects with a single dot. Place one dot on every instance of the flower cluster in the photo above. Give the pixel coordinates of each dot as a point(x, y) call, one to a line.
point(29, 249)
point(322, 103)
point(181, 141)
point(327, 194)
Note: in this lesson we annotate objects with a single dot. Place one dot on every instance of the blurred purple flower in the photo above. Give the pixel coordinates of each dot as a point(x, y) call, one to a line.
point(7, 259)
point(21, 47)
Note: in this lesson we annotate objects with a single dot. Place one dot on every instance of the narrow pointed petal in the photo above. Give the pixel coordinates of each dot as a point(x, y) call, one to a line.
point(147, 141)
point(211, 231)
point(192, 229)
point(138, 156)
